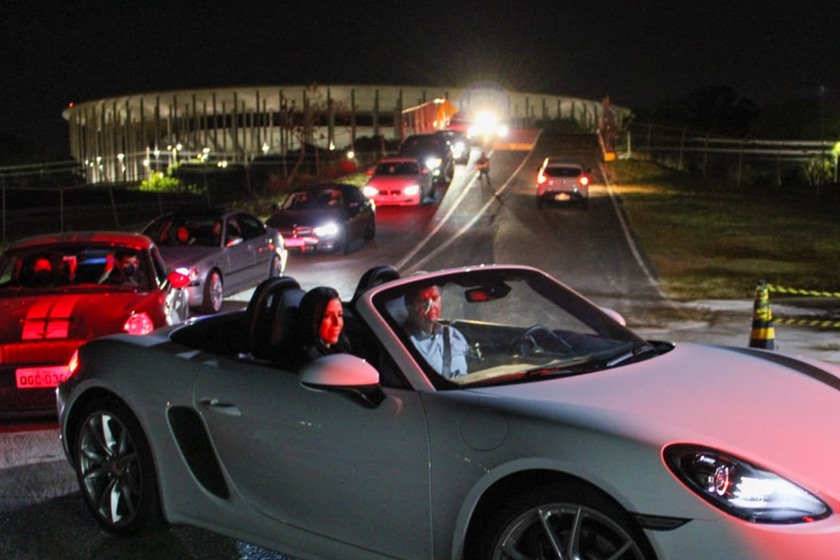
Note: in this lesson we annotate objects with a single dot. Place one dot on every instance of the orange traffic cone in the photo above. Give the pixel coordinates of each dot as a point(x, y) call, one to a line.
point(763, 334)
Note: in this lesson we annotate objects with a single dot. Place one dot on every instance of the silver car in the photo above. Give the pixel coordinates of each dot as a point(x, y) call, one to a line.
point(560, 180)
point(564, 436)
point(222, 251)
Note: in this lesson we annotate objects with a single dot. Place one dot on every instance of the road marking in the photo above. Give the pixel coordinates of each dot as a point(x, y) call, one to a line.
point(465, 228)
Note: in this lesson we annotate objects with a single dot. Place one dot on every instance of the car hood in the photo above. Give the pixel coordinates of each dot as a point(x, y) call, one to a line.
point(176, 257)
point(287, 219)
point(393, 181)
point(764, 406)
point(76, 315)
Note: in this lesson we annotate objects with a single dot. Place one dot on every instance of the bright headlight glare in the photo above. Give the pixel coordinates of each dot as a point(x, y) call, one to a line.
point(411, 190)
point(370, 191)
point(327, 230)
point(743, 489)
point(433, 162)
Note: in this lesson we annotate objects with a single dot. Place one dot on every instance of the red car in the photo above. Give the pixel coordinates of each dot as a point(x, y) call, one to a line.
point(58, 291)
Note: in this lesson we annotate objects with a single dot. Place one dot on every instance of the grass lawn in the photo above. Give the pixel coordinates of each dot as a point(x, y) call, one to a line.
point(714, 241)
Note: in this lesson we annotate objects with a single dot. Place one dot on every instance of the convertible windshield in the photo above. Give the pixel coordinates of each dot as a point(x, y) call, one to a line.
point(68, 266)
point(503, 326)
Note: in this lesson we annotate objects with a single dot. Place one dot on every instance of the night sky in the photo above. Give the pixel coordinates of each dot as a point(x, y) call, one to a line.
point(639, 53)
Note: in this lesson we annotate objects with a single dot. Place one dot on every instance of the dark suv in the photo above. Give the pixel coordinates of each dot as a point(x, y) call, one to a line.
point(433, 151)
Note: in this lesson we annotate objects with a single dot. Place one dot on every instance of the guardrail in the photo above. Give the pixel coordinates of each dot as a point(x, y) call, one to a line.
point(690, 150)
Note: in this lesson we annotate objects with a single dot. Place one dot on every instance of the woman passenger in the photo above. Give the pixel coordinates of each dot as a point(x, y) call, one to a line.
point(321, 316)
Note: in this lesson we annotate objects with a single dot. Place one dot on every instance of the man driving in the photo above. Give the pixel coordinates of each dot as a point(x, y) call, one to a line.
point(443, 347)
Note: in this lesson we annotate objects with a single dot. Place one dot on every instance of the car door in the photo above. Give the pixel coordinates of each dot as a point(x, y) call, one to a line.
point(358, 208)
point(322, 462)
point(260, 245)
point(238, 254)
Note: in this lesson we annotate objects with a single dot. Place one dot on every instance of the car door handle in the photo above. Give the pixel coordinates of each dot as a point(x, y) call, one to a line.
point(222, 407)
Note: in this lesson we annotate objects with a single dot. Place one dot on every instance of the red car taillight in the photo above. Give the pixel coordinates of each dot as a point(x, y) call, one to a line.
point(583, 180)
point(541, 179)
point(73, 364)
point(139, 324)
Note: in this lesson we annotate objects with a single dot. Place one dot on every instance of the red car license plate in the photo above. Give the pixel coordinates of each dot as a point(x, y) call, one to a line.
point(561, 196)
point(41, 377)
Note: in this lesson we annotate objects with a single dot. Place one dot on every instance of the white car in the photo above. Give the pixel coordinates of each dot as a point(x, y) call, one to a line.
point(399, 182)
point(559, 180)
point(568, 437)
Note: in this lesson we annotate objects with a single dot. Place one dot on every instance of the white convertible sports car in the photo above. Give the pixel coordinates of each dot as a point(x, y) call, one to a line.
point(568, 437)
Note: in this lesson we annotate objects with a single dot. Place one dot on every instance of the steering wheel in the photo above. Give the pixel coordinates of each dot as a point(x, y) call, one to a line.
point(528, 341)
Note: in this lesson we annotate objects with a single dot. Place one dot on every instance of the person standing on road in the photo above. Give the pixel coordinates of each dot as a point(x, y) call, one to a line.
point(482, 164)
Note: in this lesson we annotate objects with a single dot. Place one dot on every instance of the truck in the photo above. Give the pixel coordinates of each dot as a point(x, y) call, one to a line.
point(427, 118)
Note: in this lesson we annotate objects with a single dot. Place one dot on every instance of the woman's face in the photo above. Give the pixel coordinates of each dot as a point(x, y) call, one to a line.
point(332, 322)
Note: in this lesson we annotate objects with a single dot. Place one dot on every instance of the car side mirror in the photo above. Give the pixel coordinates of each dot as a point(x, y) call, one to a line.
point(345, 374)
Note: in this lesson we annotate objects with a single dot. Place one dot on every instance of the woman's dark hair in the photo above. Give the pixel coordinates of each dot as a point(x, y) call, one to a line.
point(311, 311)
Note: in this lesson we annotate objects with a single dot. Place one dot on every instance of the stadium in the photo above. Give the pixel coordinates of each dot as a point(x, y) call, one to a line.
point(126, 138)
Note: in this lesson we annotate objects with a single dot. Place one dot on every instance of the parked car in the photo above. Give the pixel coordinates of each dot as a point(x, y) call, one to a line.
point(399, 182)
point(58, 291)
point(459, 144)
point(433, 151)
point(326, 217)
point(222, 251)
point(567, 436)
point(560, 180)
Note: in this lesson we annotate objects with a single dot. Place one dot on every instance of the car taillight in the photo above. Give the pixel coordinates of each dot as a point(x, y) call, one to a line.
point(139, 324)
point(73, 364)
point(178, 279)
point(541, 179)
point(583, 180)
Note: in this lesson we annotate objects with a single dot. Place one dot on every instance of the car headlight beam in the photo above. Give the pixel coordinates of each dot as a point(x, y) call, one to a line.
point(741, 488)
point(329, 229)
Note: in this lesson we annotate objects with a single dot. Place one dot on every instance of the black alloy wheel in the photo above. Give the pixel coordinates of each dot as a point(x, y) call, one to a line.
point(563, 521)
point(115, 471)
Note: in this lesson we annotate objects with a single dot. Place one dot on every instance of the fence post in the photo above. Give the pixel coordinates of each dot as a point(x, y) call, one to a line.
point(113, 206)
point(61, 207)
point(682, 149)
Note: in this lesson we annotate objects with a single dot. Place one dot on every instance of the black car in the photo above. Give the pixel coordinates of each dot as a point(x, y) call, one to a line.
point(458, 143)
point(326, 217)
point(434, 152)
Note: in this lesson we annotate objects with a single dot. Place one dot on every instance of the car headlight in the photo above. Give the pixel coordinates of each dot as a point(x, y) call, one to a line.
point(327, 230)
point(742, 489)
point(411, 190)
point(433, 162)
point(370, 191)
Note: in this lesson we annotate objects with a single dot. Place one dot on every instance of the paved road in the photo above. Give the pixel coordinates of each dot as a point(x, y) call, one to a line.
point(41, 515)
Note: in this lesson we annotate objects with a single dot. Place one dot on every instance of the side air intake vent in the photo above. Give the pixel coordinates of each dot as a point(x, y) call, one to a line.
point(195, 444)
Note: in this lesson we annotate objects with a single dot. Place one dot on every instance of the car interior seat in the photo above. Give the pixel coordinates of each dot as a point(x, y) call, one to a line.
point(373, 277)
point(272, 303)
